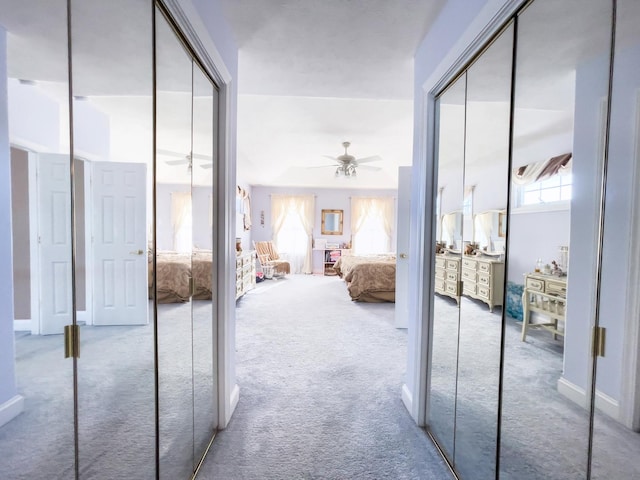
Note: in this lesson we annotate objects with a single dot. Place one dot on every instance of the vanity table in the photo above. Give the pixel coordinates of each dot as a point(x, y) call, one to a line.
point(547, 295)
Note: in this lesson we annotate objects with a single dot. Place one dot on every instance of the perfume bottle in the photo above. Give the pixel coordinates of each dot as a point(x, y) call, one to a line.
point(538, 265)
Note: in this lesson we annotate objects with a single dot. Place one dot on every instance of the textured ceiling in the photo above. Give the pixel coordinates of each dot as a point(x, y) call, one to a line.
point(313, 74)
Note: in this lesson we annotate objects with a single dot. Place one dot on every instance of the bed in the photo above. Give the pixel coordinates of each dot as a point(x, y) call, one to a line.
point(174, 271)
point(369, 278)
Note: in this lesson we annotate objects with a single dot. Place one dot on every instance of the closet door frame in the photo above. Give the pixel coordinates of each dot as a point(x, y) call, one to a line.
point(187, 21)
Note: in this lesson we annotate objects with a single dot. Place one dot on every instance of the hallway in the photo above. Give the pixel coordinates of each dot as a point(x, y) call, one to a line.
point(320, 379)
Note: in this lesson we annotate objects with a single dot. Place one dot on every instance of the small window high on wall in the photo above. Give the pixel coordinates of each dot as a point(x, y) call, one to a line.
point(543, 183)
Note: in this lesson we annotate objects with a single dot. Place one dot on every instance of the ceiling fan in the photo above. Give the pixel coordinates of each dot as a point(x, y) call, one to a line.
point(346, 164)
point(182, 159)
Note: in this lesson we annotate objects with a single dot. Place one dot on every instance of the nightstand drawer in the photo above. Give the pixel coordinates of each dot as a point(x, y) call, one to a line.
point(533, 284)
point(554, 288)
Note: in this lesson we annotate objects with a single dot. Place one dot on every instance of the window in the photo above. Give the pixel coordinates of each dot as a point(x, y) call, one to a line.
point(181, 218)
point(551, 190)
point(292, 240)
point(372, 224)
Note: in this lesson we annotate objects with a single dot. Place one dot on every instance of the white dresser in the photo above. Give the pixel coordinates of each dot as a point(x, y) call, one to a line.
point(483, 279)
point(245, 272)
point(448, 275)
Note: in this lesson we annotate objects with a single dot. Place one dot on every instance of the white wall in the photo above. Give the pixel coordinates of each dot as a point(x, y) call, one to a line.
point(622, 178)
point(35, 118)
point(591, 88)
point(326, 199)
point(8, 390)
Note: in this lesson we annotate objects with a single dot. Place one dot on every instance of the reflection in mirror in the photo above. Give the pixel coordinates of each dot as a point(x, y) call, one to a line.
point(490, 228)
point(205, 108)
point(560, 86)
point(444, 344)
point(36, 381)
point(616, 441)
point(486, 169)
point(113, 142)
point(174, 240)
point(452, 231)
point(332, 222)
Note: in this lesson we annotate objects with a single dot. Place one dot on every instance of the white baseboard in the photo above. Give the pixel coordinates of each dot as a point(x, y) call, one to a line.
point(604, 402)
point(22, 325)
point(11, 409)
point(407, 398)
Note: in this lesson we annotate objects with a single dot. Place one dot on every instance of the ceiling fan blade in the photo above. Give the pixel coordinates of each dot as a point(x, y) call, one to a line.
point(206, 165)
point(374, 158)
point(368, 167)
point(198, 156)
point(323, 166)
point(331, 158)
point(183, 161)
point(171, 153)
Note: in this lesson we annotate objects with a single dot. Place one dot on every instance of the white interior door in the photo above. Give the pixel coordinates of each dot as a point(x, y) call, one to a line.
point(54, 242)
point(403, 224)
point(120, 289)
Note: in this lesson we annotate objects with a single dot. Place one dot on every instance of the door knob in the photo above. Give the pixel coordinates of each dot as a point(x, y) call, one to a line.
point(137, 252)
point(403, 255)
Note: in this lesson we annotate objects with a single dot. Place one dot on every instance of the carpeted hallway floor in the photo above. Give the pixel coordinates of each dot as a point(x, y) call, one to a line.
point(320, 379)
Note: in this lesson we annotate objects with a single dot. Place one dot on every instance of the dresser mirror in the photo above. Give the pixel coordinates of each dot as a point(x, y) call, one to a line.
point(451, 228)
point(331, 222)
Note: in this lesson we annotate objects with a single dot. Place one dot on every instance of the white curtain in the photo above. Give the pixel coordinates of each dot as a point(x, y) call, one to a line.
point(292, 222)
point(449, 227)
point(368, 211)
point(484, 221)
point(181, 221)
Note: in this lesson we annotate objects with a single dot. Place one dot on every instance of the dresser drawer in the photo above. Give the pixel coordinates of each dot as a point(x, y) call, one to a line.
point(469, 288)
point(469, 263)
point(469, 275)
point(439, 285)
point(238, 262)
point(484, 292)
point(440, 273)
point(440, 262)
point(452, 288)
point(453, 265)
point(452, 276)
point(484, 279)
point(533, 284)
point(484, 267)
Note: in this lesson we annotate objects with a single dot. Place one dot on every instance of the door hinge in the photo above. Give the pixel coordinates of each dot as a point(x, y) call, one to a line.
point(192, 286)
point(71, 341)
point(599, 337)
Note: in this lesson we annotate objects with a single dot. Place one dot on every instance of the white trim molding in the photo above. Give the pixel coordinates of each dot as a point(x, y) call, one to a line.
point(604, 403)
point(11, 409)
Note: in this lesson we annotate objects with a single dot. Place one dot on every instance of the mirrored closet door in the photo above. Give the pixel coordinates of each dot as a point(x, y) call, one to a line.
point(36, 380)
point(110, 361)
point(113, 140)
point(469, 273)
point(558, 152)
point(186, 114)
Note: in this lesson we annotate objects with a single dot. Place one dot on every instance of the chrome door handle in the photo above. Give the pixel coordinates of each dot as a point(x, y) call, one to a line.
point(137, 252)
point(403, 255)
